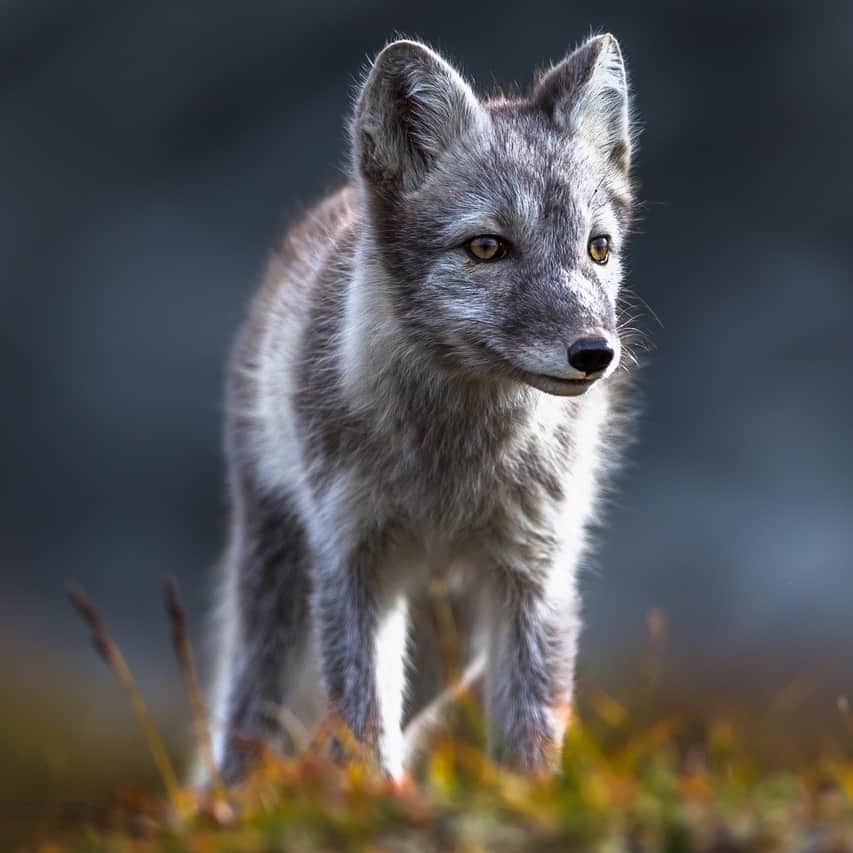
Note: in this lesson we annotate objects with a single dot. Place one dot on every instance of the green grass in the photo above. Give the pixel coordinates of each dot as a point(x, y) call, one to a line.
point(665, 769)
point(617, 789)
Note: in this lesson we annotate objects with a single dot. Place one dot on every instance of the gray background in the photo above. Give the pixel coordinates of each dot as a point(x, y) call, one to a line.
point(150, 154)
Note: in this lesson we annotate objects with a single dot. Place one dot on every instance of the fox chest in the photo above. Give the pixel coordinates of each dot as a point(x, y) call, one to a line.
point(460, 483)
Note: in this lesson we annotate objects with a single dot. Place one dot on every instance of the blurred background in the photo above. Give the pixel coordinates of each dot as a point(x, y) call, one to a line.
point(150, 155)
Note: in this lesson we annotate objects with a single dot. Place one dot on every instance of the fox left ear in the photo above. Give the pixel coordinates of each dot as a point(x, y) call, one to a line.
point(587, 94)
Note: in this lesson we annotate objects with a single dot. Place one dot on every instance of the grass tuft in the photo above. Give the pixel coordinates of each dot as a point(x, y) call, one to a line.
point(109, 651)
point(627, 781)
point(189, 676)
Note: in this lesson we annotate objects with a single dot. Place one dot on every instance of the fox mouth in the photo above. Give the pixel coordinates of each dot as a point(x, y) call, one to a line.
point(558, 385)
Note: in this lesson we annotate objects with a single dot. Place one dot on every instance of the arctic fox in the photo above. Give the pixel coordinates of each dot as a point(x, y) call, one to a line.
point(424, 389)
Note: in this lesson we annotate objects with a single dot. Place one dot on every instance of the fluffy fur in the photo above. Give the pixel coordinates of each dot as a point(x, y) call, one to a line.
point(399, 412)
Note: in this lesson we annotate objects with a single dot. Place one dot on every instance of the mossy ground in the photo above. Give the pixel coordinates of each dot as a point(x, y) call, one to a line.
point(666, 786)
point(729, 766)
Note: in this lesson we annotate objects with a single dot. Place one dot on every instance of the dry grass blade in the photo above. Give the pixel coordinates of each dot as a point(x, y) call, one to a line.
point(109, 651)
point(183, 650)
point(448, 636)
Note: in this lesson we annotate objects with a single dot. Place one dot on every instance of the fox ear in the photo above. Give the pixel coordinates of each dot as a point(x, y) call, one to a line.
point(587, 94)
point(412, 108)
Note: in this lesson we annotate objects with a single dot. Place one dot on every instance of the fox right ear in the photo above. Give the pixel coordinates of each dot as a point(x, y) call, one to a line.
point(587, 94)
point(412, 108)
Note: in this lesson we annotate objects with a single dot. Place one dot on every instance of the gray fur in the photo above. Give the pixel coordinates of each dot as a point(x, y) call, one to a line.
point(389, 421)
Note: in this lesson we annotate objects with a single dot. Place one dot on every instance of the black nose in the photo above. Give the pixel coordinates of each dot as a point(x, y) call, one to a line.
point(590, 355)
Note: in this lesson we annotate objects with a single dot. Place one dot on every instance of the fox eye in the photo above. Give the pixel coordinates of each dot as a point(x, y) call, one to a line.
point(486, 248)
point(599, 249)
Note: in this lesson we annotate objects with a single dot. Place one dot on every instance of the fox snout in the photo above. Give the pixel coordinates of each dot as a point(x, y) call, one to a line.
point(569, 369)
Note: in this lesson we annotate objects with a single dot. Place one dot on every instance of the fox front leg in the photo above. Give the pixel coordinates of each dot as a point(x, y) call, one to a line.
point(530, 671)
point(361, 636)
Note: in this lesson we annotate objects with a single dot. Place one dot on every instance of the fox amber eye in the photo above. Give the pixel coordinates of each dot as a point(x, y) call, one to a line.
point(486, 248)
point(599, 249)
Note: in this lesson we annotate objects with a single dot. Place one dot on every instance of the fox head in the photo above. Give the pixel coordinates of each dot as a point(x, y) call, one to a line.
point(501, 223)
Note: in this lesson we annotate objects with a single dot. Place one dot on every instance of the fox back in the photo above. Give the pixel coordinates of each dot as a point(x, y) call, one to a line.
point(424, 388)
